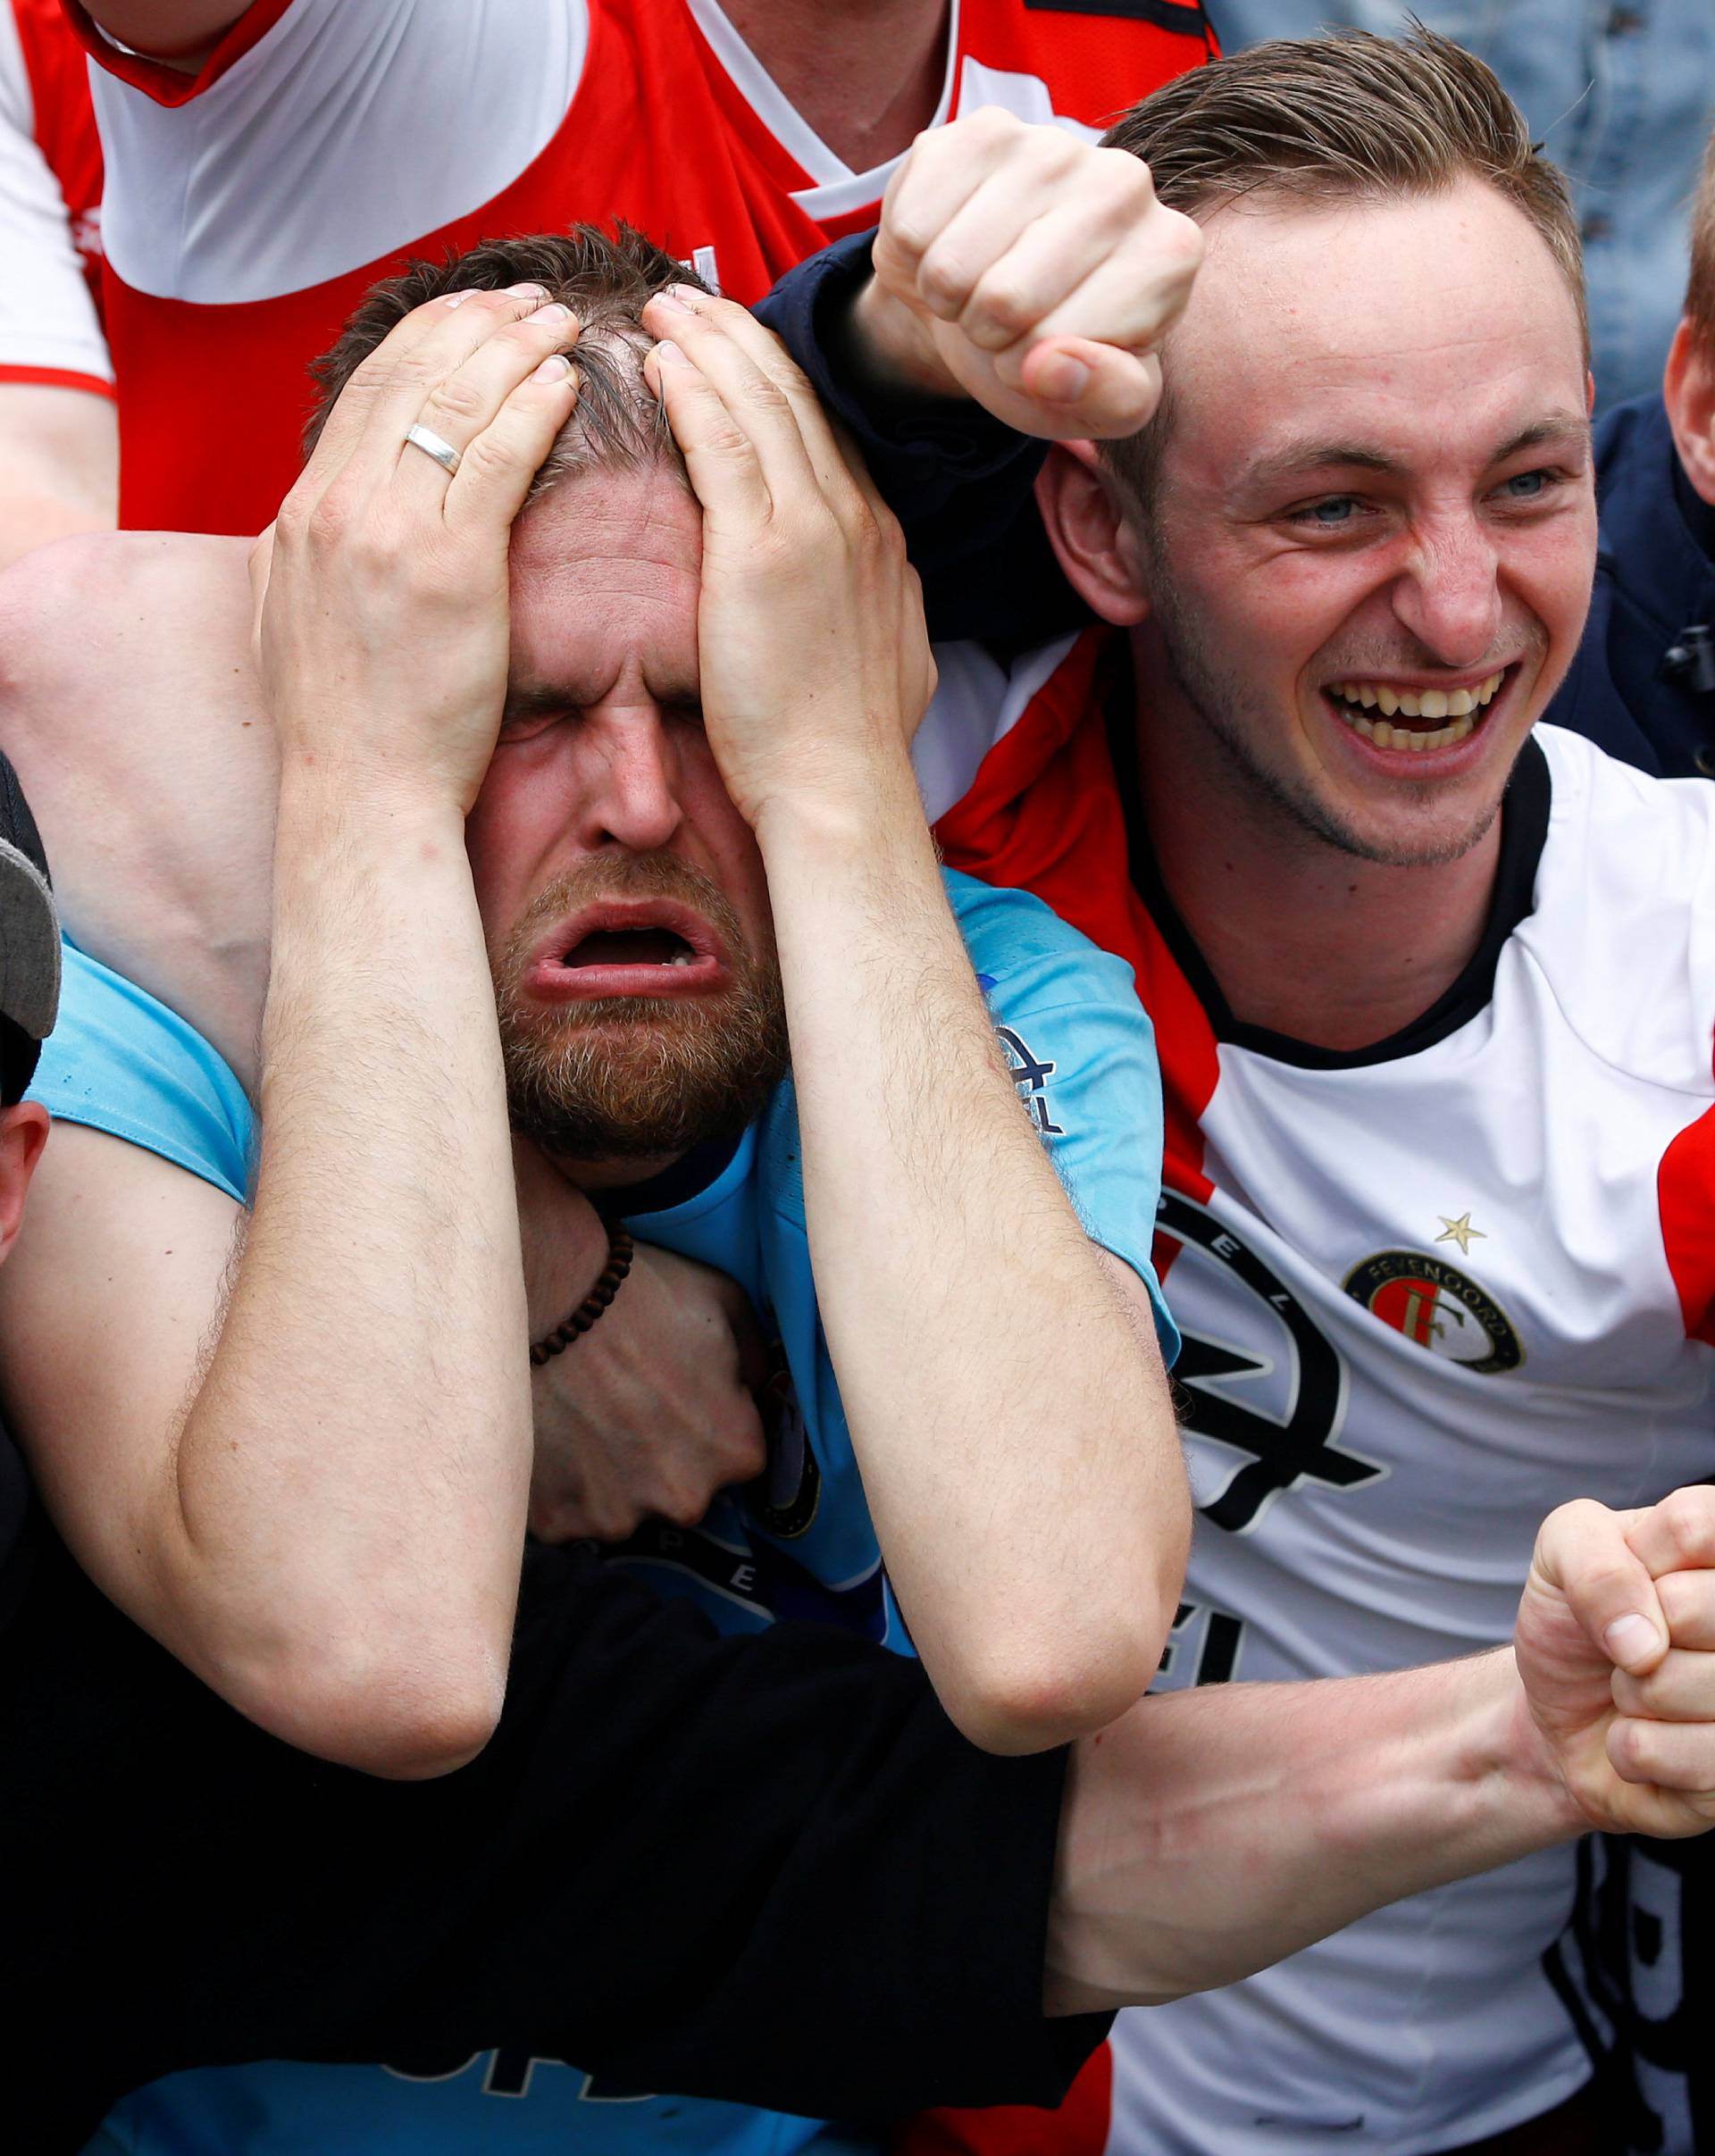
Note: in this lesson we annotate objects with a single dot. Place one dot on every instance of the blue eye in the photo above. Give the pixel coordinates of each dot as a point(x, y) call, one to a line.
point(1527, 486)
point(1337, 510)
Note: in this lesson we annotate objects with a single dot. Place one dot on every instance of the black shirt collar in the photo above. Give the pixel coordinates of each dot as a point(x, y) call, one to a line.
point(1524, 828)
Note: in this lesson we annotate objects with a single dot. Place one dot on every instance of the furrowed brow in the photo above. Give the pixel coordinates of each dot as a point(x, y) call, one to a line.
point(529, 700)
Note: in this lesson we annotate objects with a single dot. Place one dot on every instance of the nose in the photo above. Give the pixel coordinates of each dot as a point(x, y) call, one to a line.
point(630, 777)
point(1449, 595)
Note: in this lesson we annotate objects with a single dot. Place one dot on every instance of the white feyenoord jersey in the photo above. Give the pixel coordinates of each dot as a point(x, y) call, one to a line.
point(1428, 1291)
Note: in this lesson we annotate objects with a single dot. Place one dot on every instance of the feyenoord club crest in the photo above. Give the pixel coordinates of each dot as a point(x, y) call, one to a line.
point(1439, 1307)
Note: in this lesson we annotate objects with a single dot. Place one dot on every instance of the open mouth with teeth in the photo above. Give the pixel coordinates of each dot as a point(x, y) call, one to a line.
point(1413, 719)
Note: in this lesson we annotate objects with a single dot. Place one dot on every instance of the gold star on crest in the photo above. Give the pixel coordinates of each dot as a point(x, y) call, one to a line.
point(1460, 1231)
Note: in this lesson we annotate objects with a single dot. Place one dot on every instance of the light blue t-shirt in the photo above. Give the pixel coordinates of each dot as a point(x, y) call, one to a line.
point(1083, 1056)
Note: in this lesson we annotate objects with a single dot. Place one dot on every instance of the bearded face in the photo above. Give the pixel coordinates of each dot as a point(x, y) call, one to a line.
point(637, 1020)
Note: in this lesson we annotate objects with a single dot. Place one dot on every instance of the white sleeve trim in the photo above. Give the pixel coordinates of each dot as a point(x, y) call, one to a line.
point(47, 318)
point(351, 130)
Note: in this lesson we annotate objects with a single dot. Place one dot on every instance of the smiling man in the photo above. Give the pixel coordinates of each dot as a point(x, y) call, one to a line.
point(1436, 993)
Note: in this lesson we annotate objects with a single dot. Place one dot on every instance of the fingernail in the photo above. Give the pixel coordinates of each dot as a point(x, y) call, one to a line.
point(553, 312)
point(553, 368)
point(1063, 379)
point(669, 351)
point(528, 291)
point(458, 299)
point(668, 299)
point(1628, 1637)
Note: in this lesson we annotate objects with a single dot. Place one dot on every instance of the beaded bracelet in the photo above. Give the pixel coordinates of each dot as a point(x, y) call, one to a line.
point(619, 1264)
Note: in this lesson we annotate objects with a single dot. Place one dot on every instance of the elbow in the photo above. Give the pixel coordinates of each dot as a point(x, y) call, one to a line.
point(1027, 1702)
point(408, 1713)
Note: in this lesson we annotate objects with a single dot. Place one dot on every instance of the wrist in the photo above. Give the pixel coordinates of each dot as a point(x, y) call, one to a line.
point(1512, 1748)
point(888, 344)
point(358, 800)
point(874, 810)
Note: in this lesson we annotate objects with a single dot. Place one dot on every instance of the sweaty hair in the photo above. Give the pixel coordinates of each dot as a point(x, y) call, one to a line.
point(1352, 118)
point(1700, 292)
point(605, 280)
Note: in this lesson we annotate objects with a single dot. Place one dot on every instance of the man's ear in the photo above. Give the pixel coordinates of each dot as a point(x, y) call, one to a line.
point(23, 1132)
point(1083, 511)
point(1688, 391)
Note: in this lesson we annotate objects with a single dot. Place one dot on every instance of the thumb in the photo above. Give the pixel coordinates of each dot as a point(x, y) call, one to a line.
point(1103, 391)
point(1582, 1551)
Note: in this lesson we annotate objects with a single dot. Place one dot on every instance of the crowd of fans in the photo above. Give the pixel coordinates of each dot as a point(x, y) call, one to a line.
point(855, 990)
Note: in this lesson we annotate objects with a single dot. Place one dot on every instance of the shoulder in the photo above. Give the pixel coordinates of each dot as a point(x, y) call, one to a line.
point(120, 1062)
point(1012, 938)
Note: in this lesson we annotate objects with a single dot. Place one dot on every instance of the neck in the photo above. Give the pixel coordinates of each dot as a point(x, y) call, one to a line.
point(864, 74)
point(612, 1174)
point(1304, 939)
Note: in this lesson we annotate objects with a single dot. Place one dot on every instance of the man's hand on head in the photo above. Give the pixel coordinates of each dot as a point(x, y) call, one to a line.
point(382, 629)
point(814, 663)
point(1616, 1648)
point(1024, 267)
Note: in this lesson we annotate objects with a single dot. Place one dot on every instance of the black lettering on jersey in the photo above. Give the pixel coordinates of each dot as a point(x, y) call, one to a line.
point(1030, 1076)
point(1223, 1638)
point(1635, 1970)
point(1183, 17)
point(1302, 1448)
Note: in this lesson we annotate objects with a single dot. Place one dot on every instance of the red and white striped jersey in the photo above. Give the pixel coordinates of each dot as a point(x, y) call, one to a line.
point(249, 208)
point(50, 204)
point(1428, 1290)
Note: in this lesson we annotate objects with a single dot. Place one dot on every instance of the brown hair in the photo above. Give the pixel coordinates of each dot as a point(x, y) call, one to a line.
point(1353, 117)
point(605, 280)
point(1700, 291)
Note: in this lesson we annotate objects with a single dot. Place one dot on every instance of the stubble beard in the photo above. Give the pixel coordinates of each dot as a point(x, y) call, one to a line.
point(639, 1077)
point(1215, 697)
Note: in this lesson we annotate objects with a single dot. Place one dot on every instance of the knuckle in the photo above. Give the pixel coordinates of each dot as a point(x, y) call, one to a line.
point(1685, 1516)
point(328, 523)
point(456, 398)
point(1180, 238)
point(489, 456)
point(1631, 1748)
point(993, 123)
point(943, 280)
point(1000, 302)
point(681, 1505)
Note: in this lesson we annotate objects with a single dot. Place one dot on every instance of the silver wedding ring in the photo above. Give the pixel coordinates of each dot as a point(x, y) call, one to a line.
point(432, 444)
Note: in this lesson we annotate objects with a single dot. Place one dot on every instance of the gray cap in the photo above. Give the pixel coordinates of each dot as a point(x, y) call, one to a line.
point(30, 926)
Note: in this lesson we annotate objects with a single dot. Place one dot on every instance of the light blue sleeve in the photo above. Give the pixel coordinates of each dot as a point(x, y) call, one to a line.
point(120, 1062)
point(1083, 1056)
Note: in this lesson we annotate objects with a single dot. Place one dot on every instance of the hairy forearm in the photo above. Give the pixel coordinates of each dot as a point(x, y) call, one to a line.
point(1013, 1427)
point(353, 1473)
point(1213, 1832)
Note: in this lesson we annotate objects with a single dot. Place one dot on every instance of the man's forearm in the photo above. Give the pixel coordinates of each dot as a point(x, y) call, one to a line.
point(1212, 1832)
point(353, 1474)
point(1018, 1444)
